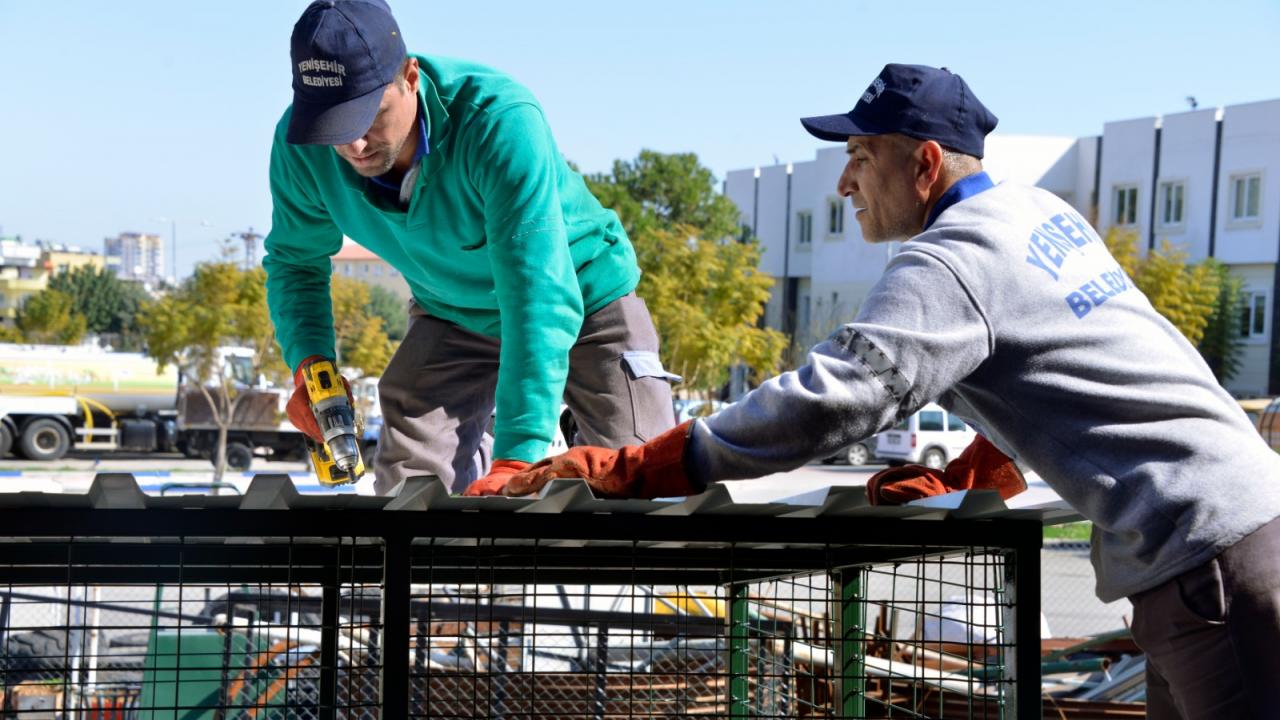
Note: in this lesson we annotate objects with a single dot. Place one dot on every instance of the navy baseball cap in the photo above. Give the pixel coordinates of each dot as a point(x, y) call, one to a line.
point(923, 102)
point(345, 53)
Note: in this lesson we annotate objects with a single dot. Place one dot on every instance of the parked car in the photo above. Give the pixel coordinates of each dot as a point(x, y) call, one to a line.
point(859, 453)
point(931, 436)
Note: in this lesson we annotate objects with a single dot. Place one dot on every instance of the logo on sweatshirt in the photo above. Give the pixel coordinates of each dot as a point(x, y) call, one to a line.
point(873, 92)
point(334, 69)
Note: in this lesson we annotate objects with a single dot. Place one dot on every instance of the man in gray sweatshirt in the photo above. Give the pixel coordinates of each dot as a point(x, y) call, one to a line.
point(1006, 308)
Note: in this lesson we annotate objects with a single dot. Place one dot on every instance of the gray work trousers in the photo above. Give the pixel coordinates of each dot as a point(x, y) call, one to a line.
point(1212, 635)
point(438, 392)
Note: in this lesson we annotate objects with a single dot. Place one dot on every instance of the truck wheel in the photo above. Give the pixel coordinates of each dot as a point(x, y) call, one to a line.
point(239, 456)
point(6, 440)
point(44, 439)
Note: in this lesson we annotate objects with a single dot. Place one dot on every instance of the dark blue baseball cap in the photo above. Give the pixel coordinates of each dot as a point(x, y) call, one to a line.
point(345, 53)
point(926, 103)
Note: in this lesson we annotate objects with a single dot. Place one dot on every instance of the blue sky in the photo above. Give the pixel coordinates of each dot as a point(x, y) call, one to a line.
point(115, 114)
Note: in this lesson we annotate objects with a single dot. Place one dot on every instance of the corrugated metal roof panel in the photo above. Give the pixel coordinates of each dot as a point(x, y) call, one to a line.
point(120, 491)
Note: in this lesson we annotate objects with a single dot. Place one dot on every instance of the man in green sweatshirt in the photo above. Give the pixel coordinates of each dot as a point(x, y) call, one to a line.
point(523, 285)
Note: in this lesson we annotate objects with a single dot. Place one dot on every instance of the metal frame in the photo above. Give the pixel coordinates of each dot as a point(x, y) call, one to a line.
point(396, 542)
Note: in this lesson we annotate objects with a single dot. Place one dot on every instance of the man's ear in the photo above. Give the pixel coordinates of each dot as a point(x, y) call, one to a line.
point(410, 73)
point(928, 156)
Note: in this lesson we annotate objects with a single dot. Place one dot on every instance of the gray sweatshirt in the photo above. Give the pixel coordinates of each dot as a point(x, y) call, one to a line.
point(1009, 311)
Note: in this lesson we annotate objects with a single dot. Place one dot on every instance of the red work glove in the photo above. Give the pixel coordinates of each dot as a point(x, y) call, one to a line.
point(655, 469)
point(980, 467)
point(299, 406)
point(499, 473)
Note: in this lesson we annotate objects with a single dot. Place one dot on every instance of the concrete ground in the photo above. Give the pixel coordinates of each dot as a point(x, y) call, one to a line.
point(1070, 607)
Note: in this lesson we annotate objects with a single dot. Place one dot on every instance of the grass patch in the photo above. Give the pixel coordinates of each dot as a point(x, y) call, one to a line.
point(1069, 531)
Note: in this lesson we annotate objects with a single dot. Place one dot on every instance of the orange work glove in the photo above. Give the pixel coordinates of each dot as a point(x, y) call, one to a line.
point(299, 406)
point(655, 469)
point(980, 467)
point(499, 473)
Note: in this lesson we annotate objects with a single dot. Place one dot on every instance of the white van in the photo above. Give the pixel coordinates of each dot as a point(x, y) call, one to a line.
point(931, 437)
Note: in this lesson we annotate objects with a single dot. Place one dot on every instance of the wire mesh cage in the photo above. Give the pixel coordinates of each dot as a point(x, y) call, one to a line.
point(597, 614)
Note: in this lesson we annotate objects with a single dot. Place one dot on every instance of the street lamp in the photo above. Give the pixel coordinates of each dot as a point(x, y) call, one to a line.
point(173, 243)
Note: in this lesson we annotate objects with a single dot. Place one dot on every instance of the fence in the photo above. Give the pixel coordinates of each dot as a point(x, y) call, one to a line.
point(272, 605)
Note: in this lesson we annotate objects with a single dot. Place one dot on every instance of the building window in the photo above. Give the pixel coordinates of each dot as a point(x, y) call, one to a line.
point(1253, 315)
point(1124, 205)
point(1246, 197)
point(804, 227)
point(835, 216)
point(1172, 197)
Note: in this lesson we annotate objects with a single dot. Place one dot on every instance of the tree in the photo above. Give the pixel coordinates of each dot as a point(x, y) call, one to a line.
point(705, 297)
point(701, 283)
point(666, 190)
point(49, 317)
point(361, 338)
point(1221, 346)
point(109, 305)
point(219, 305)
point(10, 334)
point(1185, 294)
point(394, 312)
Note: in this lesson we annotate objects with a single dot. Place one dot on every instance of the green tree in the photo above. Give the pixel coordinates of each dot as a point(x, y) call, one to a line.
point(1185, 294)
point(1222, 346)
point(394, 312)
point(109, 305)
point(666, 190)
point(709, 295)
point(49, 316)
point(362, 340)
point(10, 334)
point(701, 283)
point(219, 305)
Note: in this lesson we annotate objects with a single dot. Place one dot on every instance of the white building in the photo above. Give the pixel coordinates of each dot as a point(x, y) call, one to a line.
point(1198, 179)
point(135, 256)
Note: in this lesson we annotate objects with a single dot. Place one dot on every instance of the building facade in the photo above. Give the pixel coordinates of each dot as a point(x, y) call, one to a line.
point(26, 269)
point(1208, 181)
point(355, 262)
point(136, 256)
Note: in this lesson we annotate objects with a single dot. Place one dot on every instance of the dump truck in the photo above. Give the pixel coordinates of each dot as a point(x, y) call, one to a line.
point(56, 398)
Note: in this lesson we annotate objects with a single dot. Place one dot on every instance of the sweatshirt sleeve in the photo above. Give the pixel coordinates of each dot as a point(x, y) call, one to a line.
point(302, 239)
point(920, 331)
point(514, 164)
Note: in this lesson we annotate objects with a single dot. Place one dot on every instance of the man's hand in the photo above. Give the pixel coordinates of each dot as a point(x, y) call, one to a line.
point(655, 469)
point(499, 473)
point(299, 406)
point(980, 467)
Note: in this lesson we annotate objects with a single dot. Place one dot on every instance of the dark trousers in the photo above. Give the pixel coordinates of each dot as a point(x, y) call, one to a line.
point(1212, 635)
point(437, 393)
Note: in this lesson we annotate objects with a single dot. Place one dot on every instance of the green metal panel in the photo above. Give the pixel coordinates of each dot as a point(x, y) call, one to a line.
point(851, 643)
point(183, 676)
point(739, 651)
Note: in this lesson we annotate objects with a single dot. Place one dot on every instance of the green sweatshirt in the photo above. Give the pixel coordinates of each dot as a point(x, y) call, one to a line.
point(501, 237)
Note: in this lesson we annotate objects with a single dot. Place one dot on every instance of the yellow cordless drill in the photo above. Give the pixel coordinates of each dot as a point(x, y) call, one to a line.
point(337, 460)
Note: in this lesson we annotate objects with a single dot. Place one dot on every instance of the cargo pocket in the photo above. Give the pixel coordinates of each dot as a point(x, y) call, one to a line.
point(649, 386)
